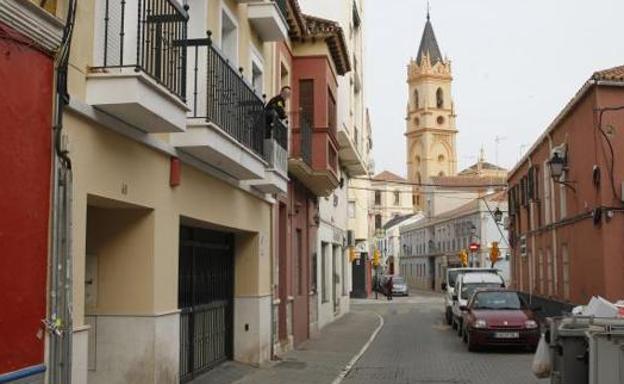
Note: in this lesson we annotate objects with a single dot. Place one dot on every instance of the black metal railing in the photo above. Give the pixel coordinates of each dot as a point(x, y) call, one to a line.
point(281, 4)
point(218, 93)
point(305, 132)
point(221, 95)
point(148, 35)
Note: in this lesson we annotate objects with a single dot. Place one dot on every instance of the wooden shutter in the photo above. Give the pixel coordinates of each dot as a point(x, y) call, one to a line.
point(306, 100)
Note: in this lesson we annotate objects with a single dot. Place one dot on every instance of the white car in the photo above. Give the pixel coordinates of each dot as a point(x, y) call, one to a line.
point(449, 287)
point(465, 285)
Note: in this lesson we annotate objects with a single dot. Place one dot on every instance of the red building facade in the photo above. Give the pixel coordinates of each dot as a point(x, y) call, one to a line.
point(566, 233)
point(26, 97)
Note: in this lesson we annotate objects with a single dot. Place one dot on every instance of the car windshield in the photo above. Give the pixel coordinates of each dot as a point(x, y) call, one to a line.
point(398, 280)
point(468, 289)
point(497, 301)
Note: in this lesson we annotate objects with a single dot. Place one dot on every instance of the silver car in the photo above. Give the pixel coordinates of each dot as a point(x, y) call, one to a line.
point(399, 287)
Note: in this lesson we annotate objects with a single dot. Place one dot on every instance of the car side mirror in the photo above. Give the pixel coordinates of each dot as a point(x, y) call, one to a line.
point(454, 297)
point(444, 286)
point(536, 308)
point(463, 307)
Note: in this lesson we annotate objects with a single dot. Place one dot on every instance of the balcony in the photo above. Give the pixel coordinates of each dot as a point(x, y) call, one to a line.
point(227, 125)
point(319, 172)
point(139, 72)
point(349, 155)
point(268, 18)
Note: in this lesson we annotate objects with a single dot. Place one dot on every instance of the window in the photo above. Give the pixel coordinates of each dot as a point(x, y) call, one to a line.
point(441, 173)
point(565, 260)
point(377, 197)
point(397, 199)
point(257, 79)
point(549, 275)
point(439, 98)
point(331, 112)
point(418, 200)
point(416, 98)
point(306, 100)
point(351, 209)
point(229, 36)
point(377, 221)
point(546, 185)
point(441, 159)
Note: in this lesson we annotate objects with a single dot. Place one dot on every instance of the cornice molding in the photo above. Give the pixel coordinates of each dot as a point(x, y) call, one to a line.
point(32, 21)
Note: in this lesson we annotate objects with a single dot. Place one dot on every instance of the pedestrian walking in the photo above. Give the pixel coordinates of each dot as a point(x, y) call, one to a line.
point(389, 288)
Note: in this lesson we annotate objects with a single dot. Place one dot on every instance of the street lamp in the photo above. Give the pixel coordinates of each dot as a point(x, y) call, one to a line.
point(498, 215)
point(557, 166)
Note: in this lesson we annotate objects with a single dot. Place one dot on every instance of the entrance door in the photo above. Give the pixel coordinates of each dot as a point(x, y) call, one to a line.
point(336, 278)
point(205, 298)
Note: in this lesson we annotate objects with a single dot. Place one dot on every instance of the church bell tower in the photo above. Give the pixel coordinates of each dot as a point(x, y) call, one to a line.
point(430, 116)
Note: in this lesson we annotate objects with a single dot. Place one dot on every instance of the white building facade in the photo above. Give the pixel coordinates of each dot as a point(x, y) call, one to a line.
point(432, 245)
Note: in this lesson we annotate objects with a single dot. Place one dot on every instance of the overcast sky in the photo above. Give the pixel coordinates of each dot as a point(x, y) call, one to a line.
point(515, 65)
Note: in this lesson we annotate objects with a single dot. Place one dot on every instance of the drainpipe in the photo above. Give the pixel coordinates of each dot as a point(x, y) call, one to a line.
point(551, 183)
point(531, 255)
point(59, 324)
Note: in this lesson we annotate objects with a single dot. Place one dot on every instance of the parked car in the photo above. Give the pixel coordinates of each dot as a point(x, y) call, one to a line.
point(449, 286)
point(499, 317)
point(465, 285)
point(399, 287)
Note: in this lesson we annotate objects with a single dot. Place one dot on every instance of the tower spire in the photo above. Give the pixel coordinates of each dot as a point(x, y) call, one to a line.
point(429, 44)
point(428, 10)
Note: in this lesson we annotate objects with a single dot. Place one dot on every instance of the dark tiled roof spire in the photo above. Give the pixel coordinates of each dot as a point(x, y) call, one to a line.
point(429, 44)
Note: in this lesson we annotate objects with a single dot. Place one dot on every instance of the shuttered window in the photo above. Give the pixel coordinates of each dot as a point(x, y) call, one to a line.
point(306, 100)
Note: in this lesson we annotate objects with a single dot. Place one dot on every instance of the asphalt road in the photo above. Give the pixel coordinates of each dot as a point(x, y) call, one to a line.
point(416, 346)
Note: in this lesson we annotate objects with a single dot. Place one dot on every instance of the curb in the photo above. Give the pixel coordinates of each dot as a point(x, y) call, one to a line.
point(347, 369)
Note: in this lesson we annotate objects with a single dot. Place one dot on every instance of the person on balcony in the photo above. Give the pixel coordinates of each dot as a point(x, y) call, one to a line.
point(276, 109)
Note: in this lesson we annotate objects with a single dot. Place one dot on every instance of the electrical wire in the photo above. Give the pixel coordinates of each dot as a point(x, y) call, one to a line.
point(611, 168)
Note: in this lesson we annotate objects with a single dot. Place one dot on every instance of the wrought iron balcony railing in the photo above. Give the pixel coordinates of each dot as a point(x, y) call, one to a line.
point(146, 35)
point(219, 94)
point(305, 133)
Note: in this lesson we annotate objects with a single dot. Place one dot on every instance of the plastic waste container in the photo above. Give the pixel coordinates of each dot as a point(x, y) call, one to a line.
point(606, 352)
point(569, 351)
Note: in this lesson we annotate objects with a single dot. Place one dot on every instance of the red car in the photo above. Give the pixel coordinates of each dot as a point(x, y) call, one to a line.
point(499, 317)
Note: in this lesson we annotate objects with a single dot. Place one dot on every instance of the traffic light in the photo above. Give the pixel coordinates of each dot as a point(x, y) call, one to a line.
point(494, 253)
point(463, 257)
point(376, 258)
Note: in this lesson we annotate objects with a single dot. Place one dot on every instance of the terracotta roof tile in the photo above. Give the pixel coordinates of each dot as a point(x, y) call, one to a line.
point(388, 176)
point(615, 73)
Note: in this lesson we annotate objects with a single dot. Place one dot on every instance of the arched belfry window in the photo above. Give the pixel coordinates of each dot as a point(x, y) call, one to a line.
point(440, 98)
point(416, 98)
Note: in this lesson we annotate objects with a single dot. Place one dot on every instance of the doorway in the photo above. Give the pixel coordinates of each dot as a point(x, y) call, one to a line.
point(205, 299)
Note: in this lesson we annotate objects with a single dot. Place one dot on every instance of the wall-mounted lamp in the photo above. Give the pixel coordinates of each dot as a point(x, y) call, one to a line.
point(558, 165)
point(498, 215)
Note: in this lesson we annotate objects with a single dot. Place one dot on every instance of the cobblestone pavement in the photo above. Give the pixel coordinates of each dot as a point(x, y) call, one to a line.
point(319, 360)
point(415, 346)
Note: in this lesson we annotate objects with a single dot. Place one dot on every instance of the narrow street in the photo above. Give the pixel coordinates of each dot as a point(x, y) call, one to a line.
point(416, 346)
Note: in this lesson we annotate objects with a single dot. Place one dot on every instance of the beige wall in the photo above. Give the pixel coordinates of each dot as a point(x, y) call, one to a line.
point(105, 164)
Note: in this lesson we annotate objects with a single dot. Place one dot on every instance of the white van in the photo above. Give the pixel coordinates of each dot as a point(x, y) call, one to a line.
point(465, 285)
point(449, 286)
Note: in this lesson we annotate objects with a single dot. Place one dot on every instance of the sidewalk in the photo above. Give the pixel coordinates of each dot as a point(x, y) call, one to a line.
point(317, 361)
